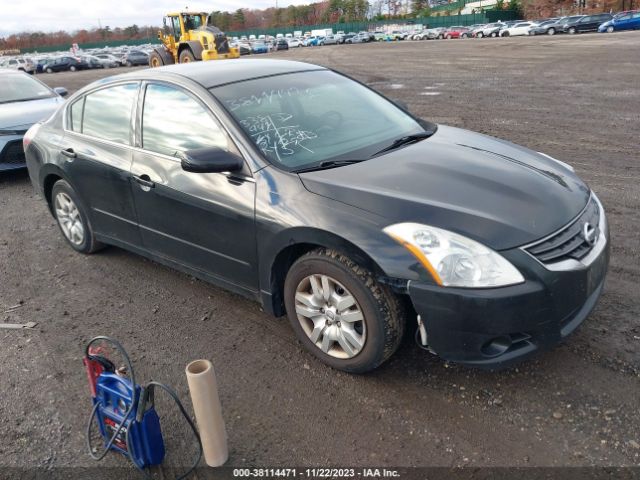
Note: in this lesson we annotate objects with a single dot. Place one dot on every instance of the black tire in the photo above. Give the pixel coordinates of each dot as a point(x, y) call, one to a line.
point(505, 34)
point(480, 35)
point(90, 244)
point(551, 31)
point(494, 34)
point(381, 309)
point(572, 30)
point(155, 60)
point(48, 70)
point(72, 68)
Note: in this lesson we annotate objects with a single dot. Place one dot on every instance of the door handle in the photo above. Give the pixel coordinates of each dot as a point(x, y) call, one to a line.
point(144, 180)
point(69, 153)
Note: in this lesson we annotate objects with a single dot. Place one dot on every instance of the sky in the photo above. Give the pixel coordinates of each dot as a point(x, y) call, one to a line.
point(53, 15)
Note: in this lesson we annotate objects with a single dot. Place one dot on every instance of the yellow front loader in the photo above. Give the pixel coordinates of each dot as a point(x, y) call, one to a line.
point(186, 37)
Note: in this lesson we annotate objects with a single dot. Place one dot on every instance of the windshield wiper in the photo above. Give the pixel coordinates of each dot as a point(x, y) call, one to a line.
point(328, 164)
point(406, 140)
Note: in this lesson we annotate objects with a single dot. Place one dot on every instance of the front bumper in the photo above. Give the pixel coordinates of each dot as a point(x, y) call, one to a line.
point(11, 153)
point(497, 327)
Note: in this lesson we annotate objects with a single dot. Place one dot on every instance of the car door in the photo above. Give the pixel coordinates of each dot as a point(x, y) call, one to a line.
point(97, 149)
point(204, 221)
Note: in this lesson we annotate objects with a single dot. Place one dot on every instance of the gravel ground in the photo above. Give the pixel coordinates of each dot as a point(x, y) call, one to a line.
point(575, 98)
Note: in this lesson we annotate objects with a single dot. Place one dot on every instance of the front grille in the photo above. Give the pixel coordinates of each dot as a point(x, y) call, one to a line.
point(12, 153)
point(573, 240)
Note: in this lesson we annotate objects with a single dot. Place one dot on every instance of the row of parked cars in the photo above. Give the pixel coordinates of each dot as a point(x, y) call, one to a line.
point(68, 61)
point(600, 22)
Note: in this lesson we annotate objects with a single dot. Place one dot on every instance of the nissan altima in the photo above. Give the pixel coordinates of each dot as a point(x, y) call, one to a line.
point(305, 190)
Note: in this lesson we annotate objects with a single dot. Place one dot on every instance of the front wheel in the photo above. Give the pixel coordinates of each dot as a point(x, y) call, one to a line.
point(610, 29)
point(72, 219)
point(480, 35)
point(72, 68)
point(572, 30)
point(551, 31)
point(341, 313)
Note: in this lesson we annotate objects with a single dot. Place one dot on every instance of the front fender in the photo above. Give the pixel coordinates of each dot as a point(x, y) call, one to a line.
point(288, 215)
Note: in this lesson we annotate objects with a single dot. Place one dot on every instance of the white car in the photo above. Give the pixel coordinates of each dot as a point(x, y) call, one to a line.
point(25, 65)
point(294, 42)
point(521, 28)
point(107, 60)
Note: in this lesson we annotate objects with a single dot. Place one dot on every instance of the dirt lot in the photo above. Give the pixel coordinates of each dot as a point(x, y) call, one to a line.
point(575, 98)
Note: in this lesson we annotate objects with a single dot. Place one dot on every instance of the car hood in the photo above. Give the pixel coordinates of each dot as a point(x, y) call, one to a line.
point(493, 191)
point(25, 114)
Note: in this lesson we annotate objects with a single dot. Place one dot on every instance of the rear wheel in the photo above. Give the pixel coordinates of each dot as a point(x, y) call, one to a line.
point(72, 219)
point(341, 313)
point(480, 35)
point(494, 34)
point(572, 30)
point(48, 70)
point(448, 37)
point(72, 68)
point(505, 34)
point(551, 31)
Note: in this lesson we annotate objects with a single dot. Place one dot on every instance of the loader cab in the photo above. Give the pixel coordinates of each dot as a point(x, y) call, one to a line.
point(179, 24)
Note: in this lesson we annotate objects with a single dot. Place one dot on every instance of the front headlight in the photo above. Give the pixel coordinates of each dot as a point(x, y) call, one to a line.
point(454, 260)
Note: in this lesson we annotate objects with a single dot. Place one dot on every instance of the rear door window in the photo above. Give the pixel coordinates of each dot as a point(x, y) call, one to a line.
point(108, 112)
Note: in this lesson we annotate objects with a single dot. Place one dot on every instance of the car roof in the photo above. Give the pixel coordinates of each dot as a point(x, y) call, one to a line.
point(215, 73)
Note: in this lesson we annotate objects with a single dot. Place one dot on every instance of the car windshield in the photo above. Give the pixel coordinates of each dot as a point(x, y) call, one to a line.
point(301, 120)
point(19, 88)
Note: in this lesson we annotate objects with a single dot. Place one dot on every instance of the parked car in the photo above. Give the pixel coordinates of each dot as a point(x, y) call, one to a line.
point(108, 60)
point(589, 23)
point(281, 44)
point(475, 30)
point(623, 21)
point(456, 32)
point(91, 61)
point(136, 57)
point(21, 64)
point(558, 26)
point(518, 29)
point(312, 41)
point(243, 47)
point(338, 211)
point(541, 28)
point(436, 33)
point(490, 30)
point(259, 46)
point(62, 64)
point(328, 40)
point(24, 100)
point(294, 42)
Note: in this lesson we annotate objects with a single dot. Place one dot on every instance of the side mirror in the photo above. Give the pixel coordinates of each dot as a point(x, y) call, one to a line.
point(63, 92)
point(210, 160)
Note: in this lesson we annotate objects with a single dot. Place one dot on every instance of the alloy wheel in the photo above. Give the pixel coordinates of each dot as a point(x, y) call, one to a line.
point(330, 316)
point(69, 219)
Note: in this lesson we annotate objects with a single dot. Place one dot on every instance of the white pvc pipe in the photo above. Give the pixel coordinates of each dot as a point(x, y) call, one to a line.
point(208, 411)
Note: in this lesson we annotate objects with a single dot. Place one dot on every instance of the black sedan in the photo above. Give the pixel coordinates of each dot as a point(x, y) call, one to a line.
point(134, 58)
point(23, 102)
point(63, 64)
point(589, 23)
point(318, 197)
